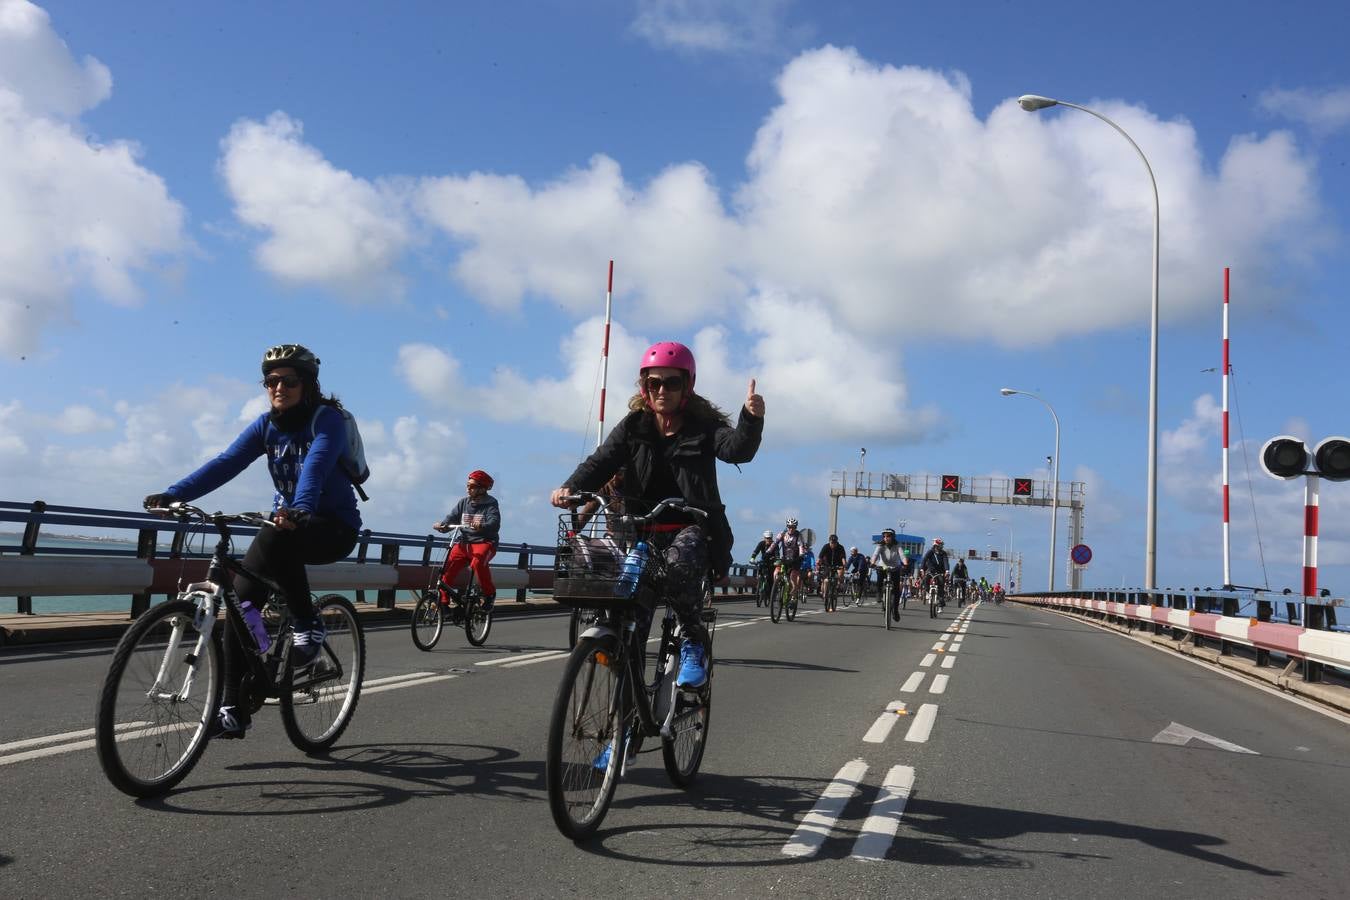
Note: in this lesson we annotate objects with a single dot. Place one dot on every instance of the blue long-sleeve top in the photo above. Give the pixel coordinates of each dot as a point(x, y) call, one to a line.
point(304, 466)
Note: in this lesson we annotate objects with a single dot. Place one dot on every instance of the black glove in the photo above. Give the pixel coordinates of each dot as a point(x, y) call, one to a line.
point(158, 501)
point(297, 517)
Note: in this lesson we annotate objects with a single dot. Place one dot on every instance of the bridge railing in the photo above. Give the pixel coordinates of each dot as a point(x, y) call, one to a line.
point(1214, 617)
point(167, 553)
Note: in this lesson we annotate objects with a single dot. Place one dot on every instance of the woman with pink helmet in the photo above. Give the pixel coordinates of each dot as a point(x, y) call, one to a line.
point(668, 446)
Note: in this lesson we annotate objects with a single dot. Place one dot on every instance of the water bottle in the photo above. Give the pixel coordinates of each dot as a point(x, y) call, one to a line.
point(254, 620)
point(631, 570)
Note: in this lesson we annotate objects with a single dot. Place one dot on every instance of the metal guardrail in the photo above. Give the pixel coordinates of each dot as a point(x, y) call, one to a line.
point(1215, 616)
point(29, 569)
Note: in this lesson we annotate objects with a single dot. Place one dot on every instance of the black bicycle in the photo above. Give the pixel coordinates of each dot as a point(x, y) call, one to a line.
point(614, 693)
point(764, 581)
point(463, 609)
point(829, 588)
point(164, 686)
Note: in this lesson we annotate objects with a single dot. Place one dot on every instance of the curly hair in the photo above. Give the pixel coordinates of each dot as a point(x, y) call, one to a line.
point(698, 407)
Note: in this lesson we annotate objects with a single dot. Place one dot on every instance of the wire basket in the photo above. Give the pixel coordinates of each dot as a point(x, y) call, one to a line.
point(589, 563)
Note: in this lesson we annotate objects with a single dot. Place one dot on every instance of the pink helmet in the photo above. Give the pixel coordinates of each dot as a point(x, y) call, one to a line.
point(670, 355)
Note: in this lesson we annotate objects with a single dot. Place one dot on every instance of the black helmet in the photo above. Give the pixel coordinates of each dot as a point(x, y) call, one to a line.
point(297, 356)
point(834, 537)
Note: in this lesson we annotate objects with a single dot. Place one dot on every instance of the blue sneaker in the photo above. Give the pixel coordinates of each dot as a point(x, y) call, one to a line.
point(306, 642)
point(602, 761)
point(693, 671)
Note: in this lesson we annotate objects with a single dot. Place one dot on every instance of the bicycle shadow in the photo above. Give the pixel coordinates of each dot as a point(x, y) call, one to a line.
point(778, 664)
point(396, 773)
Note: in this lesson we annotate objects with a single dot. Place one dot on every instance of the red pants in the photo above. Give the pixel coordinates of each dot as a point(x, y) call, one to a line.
point(476, 555)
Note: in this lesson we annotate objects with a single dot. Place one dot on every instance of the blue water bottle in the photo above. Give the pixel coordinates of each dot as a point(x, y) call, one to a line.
point(631, 570)
point(254, 620)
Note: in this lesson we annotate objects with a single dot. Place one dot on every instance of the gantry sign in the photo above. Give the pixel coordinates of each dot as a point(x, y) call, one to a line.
point(962, 489)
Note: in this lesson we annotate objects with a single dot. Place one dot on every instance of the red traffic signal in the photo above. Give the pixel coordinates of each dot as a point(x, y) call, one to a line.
point(951, 484)
point(1021, 487)
point(1333, 458)
point(1284, 457)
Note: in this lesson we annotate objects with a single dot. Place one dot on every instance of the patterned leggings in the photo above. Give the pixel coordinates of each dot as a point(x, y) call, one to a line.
point(686, 560)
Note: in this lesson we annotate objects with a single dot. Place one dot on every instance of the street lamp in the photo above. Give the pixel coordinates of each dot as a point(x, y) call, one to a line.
point(1054, 500)
point(1032, 103)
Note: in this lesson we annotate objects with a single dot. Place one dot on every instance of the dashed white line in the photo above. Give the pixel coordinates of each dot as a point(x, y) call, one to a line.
point(67, 736)
point(923, 724)
point(949, 662)
point(954, 648)
point(414, 682)
point(881, 728)
point(816, 827)
point(939, 647)
point(928, 660)
point(912, 683)
point(551, 657)
point(939, 684)
point(878, 832)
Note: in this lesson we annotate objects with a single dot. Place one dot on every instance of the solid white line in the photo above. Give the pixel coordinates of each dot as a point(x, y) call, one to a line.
point(67, 736)
point(402, 684)
point(878, 832)
point(939, 684)
point(949, 662)
point(538, 659)
point(923, 724)
point(912, 683)
point(372, 682)
point(127, 735)
point(518, 657)
point(928, 660)
point(884, 723)
point(816, 827)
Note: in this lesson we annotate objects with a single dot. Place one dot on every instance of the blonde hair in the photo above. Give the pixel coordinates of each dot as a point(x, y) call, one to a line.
point(697, 407)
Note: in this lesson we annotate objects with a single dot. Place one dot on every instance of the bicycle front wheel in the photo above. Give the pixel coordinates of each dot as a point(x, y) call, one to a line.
point(317, 702)
point(776, 602)
point(886, 605)
point(585, 738)
point(426, 622)
point(477, 619)
point(790, 602)
point(161, 691)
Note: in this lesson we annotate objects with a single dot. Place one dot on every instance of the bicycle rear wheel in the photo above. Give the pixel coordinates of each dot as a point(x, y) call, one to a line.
point(585, 725)
point(776, 602)
point(317, 702)
point(886, 603)
point(683, 751)
point(426, 622)
point(160, 693)
point(791, 602)
point(477, 619)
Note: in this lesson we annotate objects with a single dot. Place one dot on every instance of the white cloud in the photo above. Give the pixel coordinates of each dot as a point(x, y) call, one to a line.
point(73, 211)
point(325, 225)
point(1325, 111)
point(717, 26)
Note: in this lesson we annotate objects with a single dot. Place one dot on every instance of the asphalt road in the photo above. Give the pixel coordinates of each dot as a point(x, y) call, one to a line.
point(1040, 773)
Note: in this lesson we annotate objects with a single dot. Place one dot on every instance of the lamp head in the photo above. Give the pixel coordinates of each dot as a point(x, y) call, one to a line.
point(1034, 102)
point(1007, 392)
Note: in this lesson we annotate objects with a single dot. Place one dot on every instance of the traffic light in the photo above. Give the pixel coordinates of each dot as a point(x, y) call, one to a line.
point(1284, 457)
point(1333, 458)
point(951, 484)
point(1021, 487)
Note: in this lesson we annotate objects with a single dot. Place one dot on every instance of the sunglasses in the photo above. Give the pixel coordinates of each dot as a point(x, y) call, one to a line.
point(671, 383)
point(291, 382)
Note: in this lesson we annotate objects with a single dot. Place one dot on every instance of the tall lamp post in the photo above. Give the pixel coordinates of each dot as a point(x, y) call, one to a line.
point(1054, 499)
point(1032, 103)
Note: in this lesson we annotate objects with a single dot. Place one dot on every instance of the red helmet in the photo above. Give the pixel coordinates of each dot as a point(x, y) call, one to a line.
point(481, 477)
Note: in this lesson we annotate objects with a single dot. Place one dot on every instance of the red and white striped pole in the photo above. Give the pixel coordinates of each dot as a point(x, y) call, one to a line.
point(604, 357)
point(1310, 505)
point(1227, 555)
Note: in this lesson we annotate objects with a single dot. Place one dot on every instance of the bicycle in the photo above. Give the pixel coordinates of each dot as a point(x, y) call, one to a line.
point(853, 584)
point(163, 688)
point(784, 599)
point(933, 595)
point(613, 695)
point(764, 583)
point(829, 589)
point(889, 600)
point(465, 609)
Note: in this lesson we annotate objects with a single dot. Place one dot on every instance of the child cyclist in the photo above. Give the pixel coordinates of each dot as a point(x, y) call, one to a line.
point(476, 541)
point(668, 446)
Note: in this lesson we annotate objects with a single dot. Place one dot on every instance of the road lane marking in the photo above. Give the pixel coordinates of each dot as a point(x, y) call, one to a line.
point(923, 724)
point(517, 657)
point(938, 647)
point(379, 688)
point(1181, 735)
point(939, 684)
point(885, 722)
point(912, 683)
point(551, 657)
point(943, 637)
point(958, 639)
point(948, 662)
point(954, 648)
point(928, 660)
point(67, 736)
point(878, 832)
point(816, 826)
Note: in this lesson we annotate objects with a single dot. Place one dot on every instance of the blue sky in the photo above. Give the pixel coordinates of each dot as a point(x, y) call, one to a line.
point(841, 199)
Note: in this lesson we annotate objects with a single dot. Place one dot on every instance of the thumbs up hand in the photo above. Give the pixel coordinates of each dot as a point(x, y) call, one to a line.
point(754, 403)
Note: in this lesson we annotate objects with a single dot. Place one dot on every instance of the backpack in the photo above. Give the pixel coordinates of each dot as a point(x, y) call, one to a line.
point(353, 457)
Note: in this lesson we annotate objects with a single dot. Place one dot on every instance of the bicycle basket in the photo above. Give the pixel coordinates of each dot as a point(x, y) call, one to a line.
point(589, 563)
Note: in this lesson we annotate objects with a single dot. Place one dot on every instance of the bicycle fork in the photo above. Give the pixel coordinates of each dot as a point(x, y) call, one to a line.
point(203, 622)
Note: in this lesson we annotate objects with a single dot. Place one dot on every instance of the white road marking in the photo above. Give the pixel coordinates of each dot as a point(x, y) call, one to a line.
point(912, 683)
point(954, 648)
point(878, 832)
point(67, 736)
point(938, 647)
point(818, 823)
point(1180, 735)
point(551, 657)
point(958, 639)
point(943, 637)
point(949, 662)
point(928, 660)
point(407, 676)
point(515, 657)
point(923, 724)
point(379, 688)
point(939, 684)
point(885, 722)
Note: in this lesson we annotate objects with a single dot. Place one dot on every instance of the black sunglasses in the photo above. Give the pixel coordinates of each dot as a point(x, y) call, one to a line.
point(671, 383)
point(290, 381)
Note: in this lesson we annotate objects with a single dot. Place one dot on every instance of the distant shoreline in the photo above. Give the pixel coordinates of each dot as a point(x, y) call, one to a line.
point(69, 537)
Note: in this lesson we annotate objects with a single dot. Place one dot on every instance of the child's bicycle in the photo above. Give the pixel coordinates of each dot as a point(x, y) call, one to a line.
point(164, 686)
point(615, 692)
point(464, 610)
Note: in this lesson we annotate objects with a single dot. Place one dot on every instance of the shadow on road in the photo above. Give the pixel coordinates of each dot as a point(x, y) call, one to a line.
point(5, 860)
point(778, 664)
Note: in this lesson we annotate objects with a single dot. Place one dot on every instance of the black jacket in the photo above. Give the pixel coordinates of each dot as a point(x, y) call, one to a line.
point(692, 456)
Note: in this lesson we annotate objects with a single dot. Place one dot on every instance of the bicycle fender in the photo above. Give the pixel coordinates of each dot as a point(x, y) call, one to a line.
point(599, 631)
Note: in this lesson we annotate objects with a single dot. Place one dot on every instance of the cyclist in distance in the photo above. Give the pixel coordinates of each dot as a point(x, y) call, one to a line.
point(830, 562)
point(889, 560)
point(764, 549)
point(668, 446)
point(934, 565)
point(314, 508)
point(808, 566)
point(476, 542)
point(790, 546)
point(960, 578)
point(857, 564)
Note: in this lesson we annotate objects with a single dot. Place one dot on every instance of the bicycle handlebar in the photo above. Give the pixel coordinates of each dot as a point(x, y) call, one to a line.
point(674, 503)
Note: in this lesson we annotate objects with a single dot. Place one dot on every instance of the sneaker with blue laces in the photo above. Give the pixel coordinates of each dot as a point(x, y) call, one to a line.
point(306, 642)
point(693, 670)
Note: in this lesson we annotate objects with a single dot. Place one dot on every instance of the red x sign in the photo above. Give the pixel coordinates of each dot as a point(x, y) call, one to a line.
point(1022, 487)
point(951, 482)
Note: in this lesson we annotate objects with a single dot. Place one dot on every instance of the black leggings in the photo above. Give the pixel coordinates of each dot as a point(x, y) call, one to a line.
point(282, 556)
